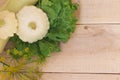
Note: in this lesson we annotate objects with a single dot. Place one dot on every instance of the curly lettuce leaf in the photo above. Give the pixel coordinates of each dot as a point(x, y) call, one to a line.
point(61, 16)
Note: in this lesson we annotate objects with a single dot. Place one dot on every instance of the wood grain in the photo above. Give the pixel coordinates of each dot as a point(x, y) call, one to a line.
point(91, 49)
point(98, 11)
point(58, 76)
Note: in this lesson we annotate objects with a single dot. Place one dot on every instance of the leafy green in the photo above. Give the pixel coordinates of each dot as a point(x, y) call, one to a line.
point(62, 24)
point(24, 49)
point(48, 46)
point(61, 16)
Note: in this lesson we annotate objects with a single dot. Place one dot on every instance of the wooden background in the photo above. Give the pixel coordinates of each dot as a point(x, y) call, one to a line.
point(93, 52)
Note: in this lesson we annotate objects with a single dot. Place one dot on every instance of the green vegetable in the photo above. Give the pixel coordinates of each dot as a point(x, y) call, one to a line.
point(47, 46)
point(62, 24)
point(61, 16)
point(16, 5)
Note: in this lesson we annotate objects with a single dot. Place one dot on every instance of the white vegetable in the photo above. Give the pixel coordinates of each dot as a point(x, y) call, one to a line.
point(8, 26)
point(33, 24)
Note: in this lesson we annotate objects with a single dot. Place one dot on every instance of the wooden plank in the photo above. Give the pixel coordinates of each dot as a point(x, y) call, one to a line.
point(80, 77)
point(91, 49)
point(98, 11)
point(59, 76)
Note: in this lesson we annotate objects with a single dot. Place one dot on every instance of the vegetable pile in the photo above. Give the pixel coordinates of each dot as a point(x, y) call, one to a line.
point(62, 24)
point(38, 28)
